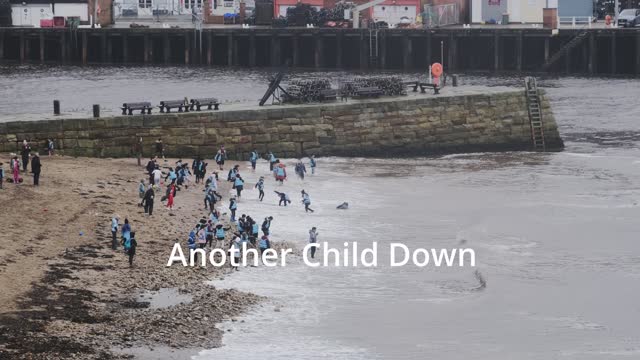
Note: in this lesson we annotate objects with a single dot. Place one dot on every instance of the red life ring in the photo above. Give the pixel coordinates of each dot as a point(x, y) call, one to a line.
point(436, 69)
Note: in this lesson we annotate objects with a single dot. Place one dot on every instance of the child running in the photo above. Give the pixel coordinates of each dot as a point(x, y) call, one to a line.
point(306, 200)
point(260, 186)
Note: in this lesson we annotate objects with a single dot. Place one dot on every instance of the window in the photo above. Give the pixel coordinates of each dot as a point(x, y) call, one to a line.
point(144, 4)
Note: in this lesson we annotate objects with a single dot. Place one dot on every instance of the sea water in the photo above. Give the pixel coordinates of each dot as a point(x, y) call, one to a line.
point(555, 235)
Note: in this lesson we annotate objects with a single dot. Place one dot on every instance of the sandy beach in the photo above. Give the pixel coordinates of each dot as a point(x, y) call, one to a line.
point(67, 294)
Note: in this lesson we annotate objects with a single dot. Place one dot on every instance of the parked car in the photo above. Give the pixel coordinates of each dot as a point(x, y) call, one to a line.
point(629, 18)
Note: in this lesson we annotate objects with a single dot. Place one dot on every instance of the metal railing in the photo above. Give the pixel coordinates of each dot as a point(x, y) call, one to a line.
point(440, 15)
point(574, 21)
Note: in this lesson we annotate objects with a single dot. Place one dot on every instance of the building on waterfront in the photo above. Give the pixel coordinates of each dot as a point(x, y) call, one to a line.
point(514, 11)
point(36, 13)
point(394, 11)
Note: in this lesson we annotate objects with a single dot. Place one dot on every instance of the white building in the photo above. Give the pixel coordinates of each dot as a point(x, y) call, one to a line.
point(519, 11)
point(29, 13)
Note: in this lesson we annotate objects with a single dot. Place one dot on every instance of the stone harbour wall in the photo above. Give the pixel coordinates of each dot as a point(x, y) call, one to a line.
point(404, 126)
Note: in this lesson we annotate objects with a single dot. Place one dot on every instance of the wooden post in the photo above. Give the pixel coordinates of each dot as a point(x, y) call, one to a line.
point(109, 49)
point(210, 48)
point(27, 49)
point(229, 50)
point(593, 54)
point(585, 57)
point(103, 48)
point(637, 53)
point(187, 48)
point(614, 58)
point(21, 47)
point(1, 45)
point(318, 51)
point(364, 59)
point(252, 50)
point(519, 50)
point(496, 51)
point(383, 50)
point(125, 49)
point(406, 52)
point(546, 49)
point(146, 48)
point(428, 45)
point(451, 59)
point(275, 50)
point(85, 44)
point(236, 57)
point(166, 48)
point(567, 61)
point(296, 51)
point(41, 36)
point(339, 60)
point(63, 47)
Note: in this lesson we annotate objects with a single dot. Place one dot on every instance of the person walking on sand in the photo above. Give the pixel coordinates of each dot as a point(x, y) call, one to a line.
point(147, 201)
point(126, 234)
point(300, 169)
point(312, 164)
point(114, 232)
point(313, 238)
point(35, 169)
point(220, 157)
point(220, 234)
point(141, 191)
point(25, 151)
point(133, 245)
point(260, 186)
point(137, 151)
point(157, 175)
point(272, 160)
point(159, 148)
point(1, 175)
point(306, 200)
point(16, 170)
point(253, 158)
point(50, 147)
point(233, 206)
point(239, 185)
point(172, 194)
point(264, 244)
point(280, 172)
point(266, 225)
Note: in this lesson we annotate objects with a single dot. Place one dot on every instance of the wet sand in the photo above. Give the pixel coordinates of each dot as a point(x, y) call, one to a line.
point(66, 293)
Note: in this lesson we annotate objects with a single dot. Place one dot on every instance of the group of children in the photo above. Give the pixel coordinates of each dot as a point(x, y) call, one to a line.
point(211, 231)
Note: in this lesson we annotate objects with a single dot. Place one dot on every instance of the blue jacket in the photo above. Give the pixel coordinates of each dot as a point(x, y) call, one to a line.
point(254, 156)
point(238, 182)
point(233, 205)
point(220, 233)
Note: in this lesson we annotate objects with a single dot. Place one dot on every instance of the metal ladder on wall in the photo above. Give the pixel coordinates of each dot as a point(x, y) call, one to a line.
point(535, 113)
point(567, 47)
point(373, 47)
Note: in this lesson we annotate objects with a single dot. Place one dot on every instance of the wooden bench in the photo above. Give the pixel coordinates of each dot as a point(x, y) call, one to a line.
point(423, 87)
point(169, 104)
point(130, 107)
point(328, 94)
point(208, 102)
point(367, 92)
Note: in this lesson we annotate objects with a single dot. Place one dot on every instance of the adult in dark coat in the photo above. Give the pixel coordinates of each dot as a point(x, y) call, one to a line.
point(147, 201)
point(35, 169)
point(25, 151)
